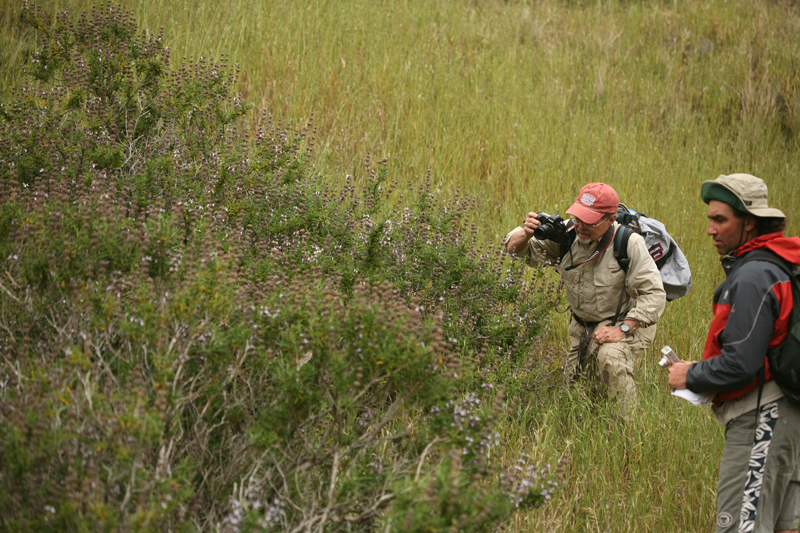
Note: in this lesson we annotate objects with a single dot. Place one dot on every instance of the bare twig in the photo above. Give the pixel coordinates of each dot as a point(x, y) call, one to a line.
point(129, 486)
point(425, 452)
point(10, 294)
point(331, 493)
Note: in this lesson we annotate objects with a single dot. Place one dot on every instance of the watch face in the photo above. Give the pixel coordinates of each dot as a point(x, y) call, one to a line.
point(625, 328)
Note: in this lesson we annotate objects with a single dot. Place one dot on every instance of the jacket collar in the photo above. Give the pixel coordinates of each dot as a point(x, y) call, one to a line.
point(787, 248)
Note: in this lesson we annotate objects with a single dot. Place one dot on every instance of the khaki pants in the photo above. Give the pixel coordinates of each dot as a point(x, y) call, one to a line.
point(608, 368)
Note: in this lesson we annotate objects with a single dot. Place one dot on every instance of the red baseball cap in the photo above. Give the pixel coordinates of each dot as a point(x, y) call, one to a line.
point(594, 201)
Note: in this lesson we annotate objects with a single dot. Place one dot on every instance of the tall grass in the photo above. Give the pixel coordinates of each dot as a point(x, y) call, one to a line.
point(520, 103)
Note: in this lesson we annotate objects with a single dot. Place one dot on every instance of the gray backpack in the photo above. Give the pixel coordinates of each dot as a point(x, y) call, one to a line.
point(672, 264)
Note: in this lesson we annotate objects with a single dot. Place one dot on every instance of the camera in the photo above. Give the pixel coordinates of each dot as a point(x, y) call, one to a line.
point(668, 357)
point(552, 228)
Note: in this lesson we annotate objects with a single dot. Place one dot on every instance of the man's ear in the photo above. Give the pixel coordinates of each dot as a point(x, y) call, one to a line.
point(749, 223)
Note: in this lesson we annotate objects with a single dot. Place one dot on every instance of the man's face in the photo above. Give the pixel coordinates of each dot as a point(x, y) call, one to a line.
point(725, 227)
point(587, 233)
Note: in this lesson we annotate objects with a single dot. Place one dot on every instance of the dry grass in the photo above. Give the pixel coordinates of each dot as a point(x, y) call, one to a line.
point(520, 103)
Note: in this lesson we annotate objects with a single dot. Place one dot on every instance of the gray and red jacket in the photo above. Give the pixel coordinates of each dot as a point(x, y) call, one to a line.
point(751, 314)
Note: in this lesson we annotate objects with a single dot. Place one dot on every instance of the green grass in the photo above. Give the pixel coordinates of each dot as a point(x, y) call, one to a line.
point(520, 103)
point(658, 473)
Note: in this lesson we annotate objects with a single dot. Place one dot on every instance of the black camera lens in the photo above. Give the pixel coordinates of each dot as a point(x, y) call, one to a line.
point(545, 232)
point(552, 228)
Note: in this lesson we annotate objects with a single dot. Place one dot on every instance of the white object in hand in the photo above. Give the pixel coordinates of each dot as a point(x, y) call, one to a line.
point(668, 357)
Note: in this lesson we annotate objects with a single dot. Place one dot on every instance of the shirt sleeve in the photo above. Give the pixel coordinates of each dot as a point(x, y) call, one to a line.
point(754, 307)
point(536, 252)
point(643, 284)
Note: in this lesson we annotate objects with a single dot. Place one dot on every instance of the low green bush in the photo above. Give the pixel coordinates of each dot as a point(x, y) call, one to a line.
point(198, 333)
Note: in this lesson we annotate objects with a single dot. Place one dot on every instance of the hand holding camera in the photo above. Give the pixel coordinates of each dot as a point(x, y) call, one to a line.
point(530, 224)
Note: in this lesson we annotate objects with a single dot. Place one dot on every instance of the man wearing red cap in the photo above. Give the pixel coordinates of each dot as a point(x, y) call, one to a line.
point(759, 472)
point(614, 312)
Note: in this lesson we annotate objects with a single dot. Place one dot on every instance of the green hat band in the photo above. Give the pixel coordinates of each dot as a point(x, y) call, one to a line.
point(715, 191)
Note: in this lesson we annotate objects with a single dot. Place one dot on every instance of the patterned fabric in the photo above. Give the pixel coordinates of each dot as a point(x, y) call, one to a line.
point(768, 418)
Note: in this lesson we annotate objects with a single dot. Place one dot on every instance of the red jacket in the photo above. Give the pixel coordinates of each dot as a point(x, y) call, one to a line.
point(751, 314)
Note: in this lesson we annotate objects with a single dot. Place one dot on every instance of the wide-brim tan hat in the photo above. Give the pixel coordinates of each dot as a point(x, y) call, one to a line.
point(749, 190)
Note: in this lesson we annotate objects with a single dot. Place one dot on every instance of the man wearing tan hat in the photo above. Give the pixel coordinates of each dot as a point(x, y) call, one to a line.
point(759, 485)
point(614, 312)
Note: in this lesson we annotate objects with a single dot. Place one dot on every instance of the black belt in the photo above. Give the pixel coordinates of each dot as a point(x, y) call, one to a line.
point(586, 324)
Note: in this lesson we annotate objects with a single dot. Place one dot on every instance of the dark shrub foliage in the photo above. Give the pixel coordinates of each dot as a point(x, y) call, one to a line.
point(197, 333)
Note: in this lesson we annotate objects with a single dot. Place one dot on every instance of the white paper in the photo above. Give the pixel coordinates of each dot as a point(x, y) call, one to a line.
point(696, 399)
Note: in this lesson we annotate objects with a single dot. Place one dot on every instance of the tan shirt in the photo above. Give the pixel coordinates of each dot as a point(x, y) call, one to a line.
point(594, 288)
point(727, 411)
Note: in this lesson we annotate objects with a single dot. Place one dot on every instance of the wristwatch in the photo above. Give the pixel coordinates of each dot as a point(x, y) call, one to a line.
point(626, 329)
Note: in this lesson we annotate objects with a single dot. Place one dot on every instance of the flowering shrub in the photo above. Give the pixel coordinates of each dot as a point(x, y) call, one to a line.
point(199, 333)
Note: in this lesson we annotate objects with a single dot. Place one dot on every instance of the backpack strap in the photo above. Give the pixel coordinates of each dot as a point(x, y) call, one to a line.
point(769, 257)
point(621, 238)
point(762, 373)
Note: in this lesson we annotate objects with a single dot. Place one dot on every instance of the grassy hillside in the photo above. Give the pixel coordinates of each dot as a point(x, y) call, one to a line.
point(520, 103)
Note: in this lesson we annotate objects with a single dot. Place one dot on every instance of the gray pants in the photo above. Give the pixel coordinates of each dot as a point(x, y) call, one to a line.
point(759, 473)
